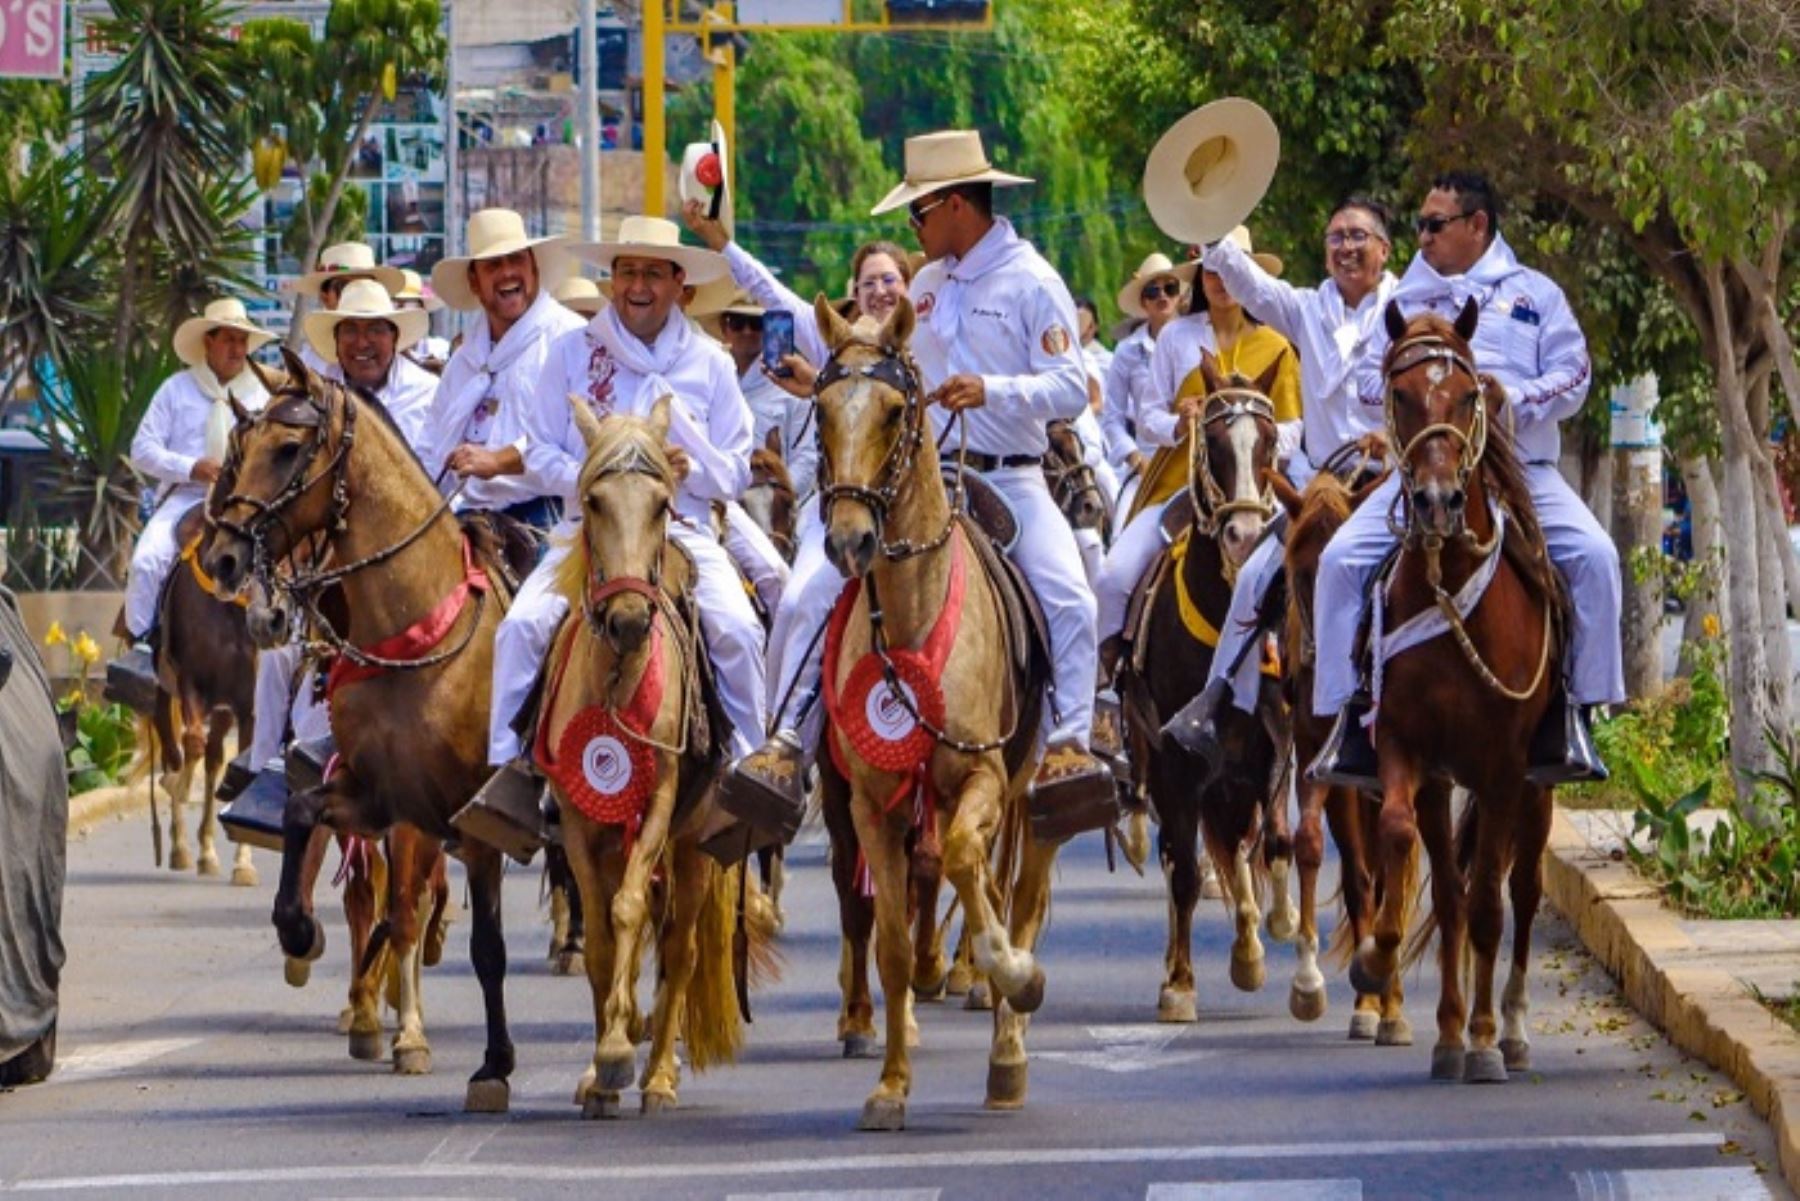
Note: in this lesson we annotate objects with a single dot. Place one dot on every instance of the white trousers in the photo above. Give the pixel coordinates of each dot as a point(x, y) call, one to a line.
point(1093, 554)
point(797, 639)
point(1254, 577)
point(734, 642)
point(1127, 493)
point(1578, 546)
point(154, 557)
point(277, 704)
point(1135, 548)
point(756, 556)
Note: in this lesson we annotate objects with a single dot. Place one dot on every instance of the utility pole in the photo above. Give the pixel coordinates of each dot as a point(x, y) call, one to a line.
point(724, 60)
point(653, 107)
point(589, 126)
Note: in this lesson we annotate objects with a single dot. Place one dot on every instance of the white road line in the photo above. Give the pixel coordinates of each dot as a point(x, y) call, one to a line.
point(112, 1059)
point(1738, 1183)
point(900, 1162)
point(463, 1143)
point(1258, 1190)
point(859, 1194)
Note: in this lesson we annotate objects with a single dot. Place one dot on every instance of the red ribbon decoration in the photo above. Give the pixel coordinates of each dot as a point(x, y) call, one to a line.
point(417, 640)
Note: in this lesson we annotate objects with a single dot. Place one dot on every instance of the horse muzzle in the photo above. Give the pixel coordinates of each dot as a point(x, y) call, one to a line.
point(266, 618)
point(1440, 509)
point(1239, 535)
point(227, 561)
point(851, 548)
point(626, 620)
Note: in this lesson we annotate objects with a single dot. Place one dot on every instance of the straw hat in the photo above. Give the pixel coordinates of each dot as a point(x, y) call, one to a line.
point(935, 161)
point(224, 313)
point(706, 177)
point(494, 234)
point(654, 238)
point(1154, 266)
point(1210, 169)
point(580, 294)
point(363, 300)
point(414, 289)
point(1268, 262)
point(736, 302)
point(347, 261)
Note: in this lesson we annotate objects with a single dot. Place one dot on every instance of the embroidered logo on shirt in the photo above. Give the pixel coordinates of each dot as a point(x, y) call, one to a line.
point(481, 420)
point(1055, 340)
point(600, 371)
point(1522, 311)
point(926, 303)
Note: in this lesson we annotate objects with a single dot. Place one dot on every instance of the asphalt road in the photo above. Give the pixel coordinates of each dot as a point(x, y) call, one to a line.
point(190, 1069)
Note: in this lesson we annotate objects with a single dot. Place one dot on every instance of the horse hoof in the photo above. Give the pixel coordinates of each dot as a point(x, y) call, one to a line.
point(861, 1046)
point(1363, 1026)
point(346, 1019)
point(1306, 1006)
point(932, 992)
point(1281, 925)
point(1446, 1063)
point(567, 963)
point(365, 1045)
point(655, 1102)
point(1177, 1005)
point(1363, 980)
point(1484, 1065)
point(1393, 1032)
point(181, 859)
point(208, 865)
point(1027, 999)
point(883, 1114)
point(488, 1096)
point(1210, 889)
point(296, 972)
point(412, 1061)
point(1517, 1054)
point(956, 984)
point(979, 996)
point(600, 1106)
point(1006, 1085)
point(1248, 975)
point(615, 1073)
point(583, 1085)
point(243, 877)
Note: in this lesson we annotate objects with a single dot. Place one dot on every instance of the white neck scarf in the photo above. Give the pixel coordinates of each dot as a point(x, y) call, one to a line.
point(999, 247)
point(652, 364)
point(219, 418)
point(492, 362)
point(1422, 286)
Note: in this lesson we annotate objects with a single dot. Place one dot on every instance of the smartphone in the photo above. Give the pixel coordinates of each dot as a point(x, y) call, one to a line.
point(778, 340)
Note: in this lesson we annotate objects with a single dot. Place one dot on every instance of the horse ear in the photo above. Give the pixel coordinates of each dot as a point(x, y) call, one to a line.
point(897, 330)
point(296, 368)
point(1285, 492)
point(834, 328)
point(1395, 321)
point(1209, 372)
point(772, 443)
point(1271, 373)
point(1465, 320)
point(262, 376)
point(586, 423)
point(239, 413)
point(659, 417)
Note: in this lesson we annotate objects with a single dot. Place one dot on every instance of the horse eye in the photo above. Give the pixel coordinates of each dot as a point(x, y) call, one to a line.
point(288, 452)
point(893, 416)
point(592, 503)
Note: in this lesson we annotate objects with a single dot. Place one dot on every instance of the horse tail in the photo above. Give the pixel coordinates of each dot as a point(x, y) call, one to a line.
point(712, 1025)
point(378, 940)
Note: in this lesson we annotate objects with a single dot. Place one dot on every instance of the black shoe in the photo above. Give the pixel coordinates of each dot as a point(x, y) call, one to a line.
point(1195, 729)
point(131, 680)
point(307, 761)
point(255, 815)
point(1348, 757)
point(1562, 747)
point(238, 775)
point(507, 813)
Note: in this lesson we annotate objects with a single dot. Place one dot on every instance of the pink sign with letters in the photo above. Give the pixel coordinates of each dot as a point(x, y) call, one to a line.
point(31, 39)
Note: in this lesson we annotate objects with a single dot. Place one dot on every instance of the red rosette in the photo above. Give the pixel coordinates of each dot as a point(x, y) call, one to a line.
point(880, 725)
point(604, 770)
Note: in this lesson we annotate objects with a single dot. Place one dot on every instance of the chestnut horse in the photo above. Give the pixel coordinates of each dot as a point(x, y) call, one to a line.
point(324, 465)
point(1465, 508)
point(892, 530)
point(1072, 482)
point(1242, 815)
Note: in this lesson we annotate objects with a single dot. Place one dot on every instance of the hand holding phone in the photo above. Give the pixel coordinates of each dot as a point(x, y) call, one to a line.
point(778, 341)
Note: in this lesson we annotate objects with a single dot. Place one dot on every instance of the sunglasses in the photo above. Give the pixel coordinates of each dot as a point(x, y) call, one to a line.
point(1171, 289)
point(739, 321)
point(1436, 225)
point(916, 216)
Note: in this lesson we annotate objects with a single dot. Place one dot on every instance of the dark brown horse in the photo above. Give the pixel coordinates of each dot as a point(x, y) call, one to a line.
point(323, 464)
point(1460, 707)
point(1072, 482)
point(1241, 815)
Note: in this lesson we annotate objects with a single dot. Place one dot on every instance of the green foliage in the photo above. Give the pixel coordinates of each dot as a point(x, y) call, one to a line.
point(55, 272)
point(105, 742)
point(32, 112)
point(1671, 745)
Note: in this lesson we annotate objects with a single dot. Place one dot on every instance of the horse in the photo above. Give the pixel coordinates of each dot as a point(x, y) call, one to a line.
point(965, 718)
point(1313, 517)
point(205, 685)
point(1242, 816)
point(1465, 508)
point(1072, 483)
point(409, 692)
point(632, 754)
point(769, 499)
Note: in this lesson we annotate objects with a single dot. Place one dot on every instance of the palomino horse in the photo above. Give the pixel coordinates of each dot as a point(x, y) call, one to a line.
point(922, 602)
point(409, 693)
point(631, 755)
point(1313, 517)
point(205, 684)
point(1466, 511)
point(1242, 815)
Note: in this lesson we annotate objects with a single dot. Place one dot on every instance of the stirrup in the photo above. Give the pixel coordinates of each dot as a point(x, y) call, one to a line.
point(1562, 747)
point(1195, 729)
point(306, 763)
point(506, 813)
point(1073, 792)
point(765, 788)
point(255, 815)
point(1348, 759)
point(131, 680)
point(239, 775)
point(1108, 739)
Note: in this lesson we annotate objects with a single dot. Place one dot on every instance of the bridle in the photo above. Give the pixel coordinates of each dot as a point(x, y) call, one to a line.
point(1069, 479)
point(1227, 405)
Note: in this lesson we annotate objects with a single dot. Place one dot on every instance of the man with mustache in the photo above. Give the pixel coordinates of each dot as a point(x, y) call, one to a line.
point(338, 267)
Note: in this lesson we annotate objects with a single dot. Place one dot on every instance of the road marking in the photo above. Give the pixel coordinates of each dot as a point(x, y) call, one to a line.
point(111, 1059)
point(1741, 1183)
point(1258, 1190)
point(1138, 1048)
point(859, 1194)
point(897, 1162)
point(463, 1143)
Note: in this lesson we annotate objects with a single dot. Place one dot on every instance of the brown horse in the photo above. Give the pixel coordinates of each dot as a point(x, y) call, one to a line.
point(1072, 483)
point(970, 752)
point(1242, 815)
point(621, 740)
point(324, 465)
point(1466, 507)
point(205, 685)
point(1314, 516)
point(770, 498)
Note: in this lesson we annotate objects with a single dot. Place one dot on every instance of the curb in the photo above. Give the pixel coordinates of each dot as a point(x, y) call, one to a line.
point(1704, 1010)
point(89, 809)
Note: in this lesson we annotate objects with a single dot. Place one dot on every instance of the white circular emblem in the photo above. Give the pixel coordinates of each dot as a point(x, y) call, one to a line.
point(606, 765)
point(890, 716)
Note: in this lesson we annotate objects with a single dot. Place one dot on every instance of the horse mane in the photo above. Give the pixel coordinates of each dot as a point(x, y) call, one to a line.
point(623, 444)
point(1326, 502)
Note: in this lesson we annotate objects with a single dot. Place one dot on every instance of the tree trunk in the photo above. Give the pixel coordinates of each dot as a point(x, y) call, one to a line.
point(1635, 518)
point(1708, 598)
point(320, 227)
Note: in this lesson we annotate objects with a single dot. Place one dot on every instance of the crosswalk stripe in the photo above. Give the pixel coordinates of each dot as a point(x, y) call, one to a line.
point(110, 1059)
point(1258, 1190)
point(1738, 1183)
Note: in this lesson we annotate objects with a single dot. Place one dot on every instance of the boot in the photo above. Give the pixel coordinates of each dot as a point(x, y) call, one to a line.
point(1072, 792)
point(1348, 757)
point(255, 814)
point(238, 775)
point(1108, 737)
point(1562, 746)
point(1195, 728)
point(307, 761)
point(507, 812)
point(131, 680)
point(765, 787)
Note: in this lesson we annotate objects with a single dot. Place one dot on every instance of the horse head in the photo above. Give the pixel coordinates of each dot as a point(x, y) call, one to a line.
point(872, 431)
point(1071, 480)
point(770, 500)
point(626, 489)
point(1438, 412)
point(1234, 449)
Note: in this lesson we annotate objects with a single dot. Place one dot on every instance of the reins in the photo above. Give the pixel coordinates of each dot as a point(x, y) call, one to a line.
point(1211, 506)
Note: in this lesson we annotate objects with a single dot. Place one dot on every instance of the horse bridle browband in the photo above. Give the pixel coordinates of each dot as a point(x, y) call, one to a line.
point(1211, 505)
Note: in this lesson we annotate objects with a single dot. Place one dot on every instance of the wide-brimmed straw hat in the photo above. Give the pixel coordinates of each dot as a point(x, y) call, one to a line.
point(710, 309)
point(654, 238)
point(935, 161)
point(348, 261)
point(1268, 262)
point(580, 294)
point(494, 234)
point(414, 289)
point(225, 313)
point(1154, 266)
point(364, 300)
point(1207, 173)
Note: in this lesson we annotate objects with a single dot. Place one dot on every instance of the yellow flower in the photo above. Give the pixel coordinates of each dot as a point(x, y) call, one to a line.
point(86, 649)
point(55, 637)
point(73, 697)
point(1709, 625)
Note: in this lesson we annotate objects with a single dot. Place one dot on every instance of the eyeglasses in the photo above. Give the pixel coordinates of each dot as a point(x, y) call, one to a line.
point(1171, 289)
point(876, 282)
point(1354, 236)
point(917, 215)
point(1435, 225)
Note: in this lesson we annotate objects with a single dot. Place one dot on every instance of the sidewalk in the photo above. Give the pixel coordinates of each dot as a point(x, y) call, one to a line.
point(1692, 978)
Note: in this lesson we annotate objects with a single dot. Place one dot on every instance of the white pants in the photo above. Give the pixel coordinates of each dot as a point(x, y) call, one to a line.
point(278, 704)
point(1093, 554)
point(1132, 552)
point(1578, 546)
point(756, 556)
point(154, 557)
point(1254, 578)
point(797, 639)
point(734, 642)
point(1122, 506)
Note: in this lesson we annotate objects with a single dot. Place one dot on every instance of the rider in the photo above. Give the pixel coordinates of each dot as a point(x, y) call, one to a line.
point(1153, 295)
point(774, 409)
point(431, 352)
point(1528, 340)
point(181, 444)
point(1330, 326)
point(338, 266)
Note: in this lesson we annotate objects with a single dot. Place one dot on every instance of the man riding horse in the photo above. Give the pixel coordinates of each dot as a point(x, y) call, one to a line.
point(1528, 340)
point(338, 267)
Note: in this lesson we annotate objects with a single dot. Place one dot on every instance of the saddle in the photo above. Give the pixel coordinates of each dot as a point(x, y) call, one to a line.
point(505, 544)
point(989, 511)
point(1027, 634)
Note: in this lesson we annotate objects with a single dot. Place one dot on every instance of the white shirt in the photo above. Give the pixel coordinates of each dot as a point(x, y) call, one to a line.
point(749, 273)
point(1330, 337)
point(1177, 353)
point(1007, 316)
point(1097, 358)
point(172, 436)
point(774, 409)
point(1526, 338)
point(710, 420)
point(406, 396)
point(1128, 390)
